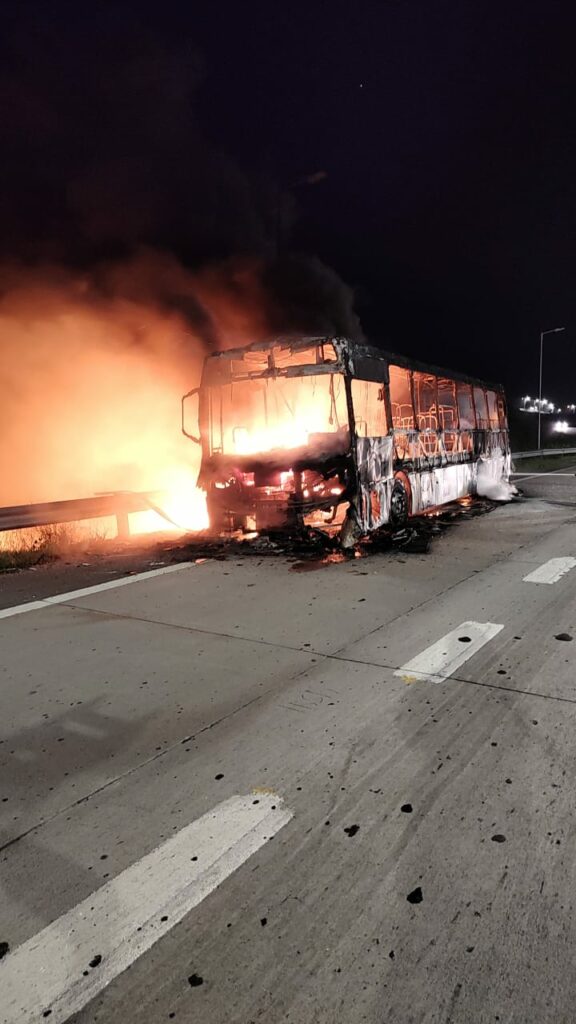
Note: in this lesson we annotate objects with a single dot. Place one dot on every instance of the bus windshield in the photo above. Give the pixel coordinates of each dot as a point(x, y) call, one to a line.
point(266, 413)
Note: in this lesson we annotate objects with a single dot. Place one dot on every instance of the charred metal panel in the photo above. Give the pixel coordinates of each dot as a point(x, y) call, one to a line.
point(375, 478)
point(433, 487)
point(366, 368)
point(349, 353)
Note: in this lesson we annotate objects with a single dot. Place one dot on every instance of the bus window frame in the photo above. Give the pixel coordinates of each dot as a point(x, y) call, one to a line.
point(479, 426)
point(405, 369)
point(453, 452)
point(383, 387)
point(429, 438)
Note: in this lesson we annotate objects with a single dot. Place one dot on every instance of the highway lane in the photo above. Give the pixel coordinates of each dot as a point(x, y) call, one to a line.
point(558, 485)
point(131, 714)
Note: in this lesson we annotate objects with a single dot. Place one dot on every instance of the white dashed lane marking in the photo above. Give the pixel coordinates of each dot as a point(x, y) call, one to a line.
point(552, 570)
point(441, 660)
point(98, 588)
point(58, 971)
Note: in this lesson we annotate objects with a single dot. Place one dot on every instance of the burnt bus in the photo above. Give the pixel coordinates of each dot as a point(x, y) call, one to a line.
point(336, 435)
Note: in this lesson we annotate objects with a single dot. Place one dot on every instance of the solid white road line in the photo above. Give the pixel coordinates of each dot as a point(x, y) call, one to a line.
point(69, 963)
point(551, 571)
point(73, 595)
point(441, 660)
point(532, 476)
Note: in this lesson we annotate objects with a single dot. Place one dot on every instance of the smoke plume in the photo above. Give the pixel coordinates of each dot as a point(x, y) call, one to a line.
point(130, 247)
point(93, 363)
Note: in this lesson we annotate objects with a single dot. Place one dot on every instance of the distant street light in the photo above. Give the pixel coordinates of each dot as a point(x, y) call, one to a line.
point(554, 330)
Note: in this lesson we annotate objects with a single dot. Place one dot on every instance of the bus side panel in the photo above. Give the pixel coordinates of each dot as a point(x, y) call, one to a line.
point(375, 479)
point(433, 487)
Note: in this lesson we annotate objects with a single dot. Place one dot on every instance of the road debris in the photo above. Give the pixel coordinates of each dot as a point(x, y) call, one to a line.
point(415, 896)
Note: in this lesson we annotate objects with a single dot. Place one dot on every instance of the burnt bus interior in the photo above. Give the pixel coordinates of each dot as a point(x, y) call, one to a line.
point(328, 433)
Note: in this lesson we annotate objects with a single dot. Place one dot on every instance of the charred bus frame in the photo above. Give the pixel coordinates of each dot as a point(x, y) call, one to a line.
point(378, 438)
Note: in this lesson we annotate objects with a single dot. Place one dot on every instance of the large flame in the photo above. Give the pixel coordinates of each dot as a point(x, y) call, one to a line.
point(181, 506)
point(265, 439)
point(260, 415)
point(91, 402)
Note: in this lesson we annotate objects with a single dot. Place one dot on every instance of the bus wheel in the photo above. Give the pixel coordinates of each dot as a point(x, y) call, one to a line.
point(399, 504)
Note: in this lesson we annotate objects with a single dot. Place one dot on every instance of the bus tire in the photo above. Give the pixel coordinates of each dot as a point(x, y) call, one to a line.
point(400, 503)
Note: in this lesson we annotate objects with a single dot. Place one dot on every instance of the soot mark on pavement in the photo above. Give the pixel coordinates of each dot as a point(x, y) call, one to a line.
point(195, 980)
point(415, 896)
point(465, 639)
point(96, 960)
point(263, 921)
point(352, 830)
point(498, 838)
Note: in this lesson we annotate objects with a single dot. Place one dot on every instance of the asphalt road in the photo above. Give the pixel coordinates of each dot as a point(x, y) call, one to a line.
point(557, 486)
point(219, 786)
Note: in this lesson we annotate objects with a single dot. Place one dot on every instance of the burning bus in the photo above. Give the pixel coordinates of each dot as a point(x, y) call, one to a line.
point(336, 435)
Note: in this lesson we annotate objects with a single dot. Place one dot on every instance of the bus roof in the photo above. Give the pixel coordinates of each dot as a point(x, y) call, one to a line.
point(356, 348)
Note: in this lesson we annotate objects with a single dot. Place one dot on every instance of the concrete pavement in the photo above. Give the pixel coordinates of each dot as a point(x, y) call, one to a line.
point(130, 714)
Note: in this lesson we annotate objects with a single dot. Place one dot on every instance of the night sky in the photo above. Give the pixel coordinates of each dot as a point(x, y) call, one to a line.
point(446, 129)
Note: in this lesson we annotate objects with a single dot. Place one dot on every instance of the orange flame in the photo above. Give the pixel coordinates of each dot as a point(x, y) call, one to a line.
point(91, 401)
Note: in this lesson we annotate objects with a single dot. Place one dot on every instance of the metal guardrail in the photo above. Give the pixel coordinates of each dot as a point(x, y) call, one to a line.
point(543, 451)
point(118, 504)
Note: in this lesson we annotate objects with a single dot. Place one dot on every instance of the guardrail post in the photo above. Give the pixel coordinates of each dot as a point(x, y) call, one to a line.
point(122, 525)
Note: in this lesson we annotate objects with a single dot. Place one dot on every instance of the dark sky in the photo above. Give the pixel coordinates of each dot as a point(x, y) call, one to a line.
point(446, 129)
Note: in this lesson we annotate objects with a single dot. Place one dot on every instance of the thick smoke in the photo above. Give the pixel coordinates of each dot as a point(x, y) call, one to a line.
point(93, 363)
point(306, 295)
point(90, 382)
point(130, 247)
point(103, 154)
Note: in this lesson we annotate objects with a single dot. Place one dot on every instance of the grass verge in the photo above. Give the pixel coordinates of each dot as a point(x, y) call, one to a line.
point(21, 549)
point(545, 464)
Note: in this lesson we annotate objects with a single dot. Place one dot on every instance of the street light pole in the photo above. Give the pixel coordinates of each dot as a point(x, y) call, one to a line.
point(554, 330)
